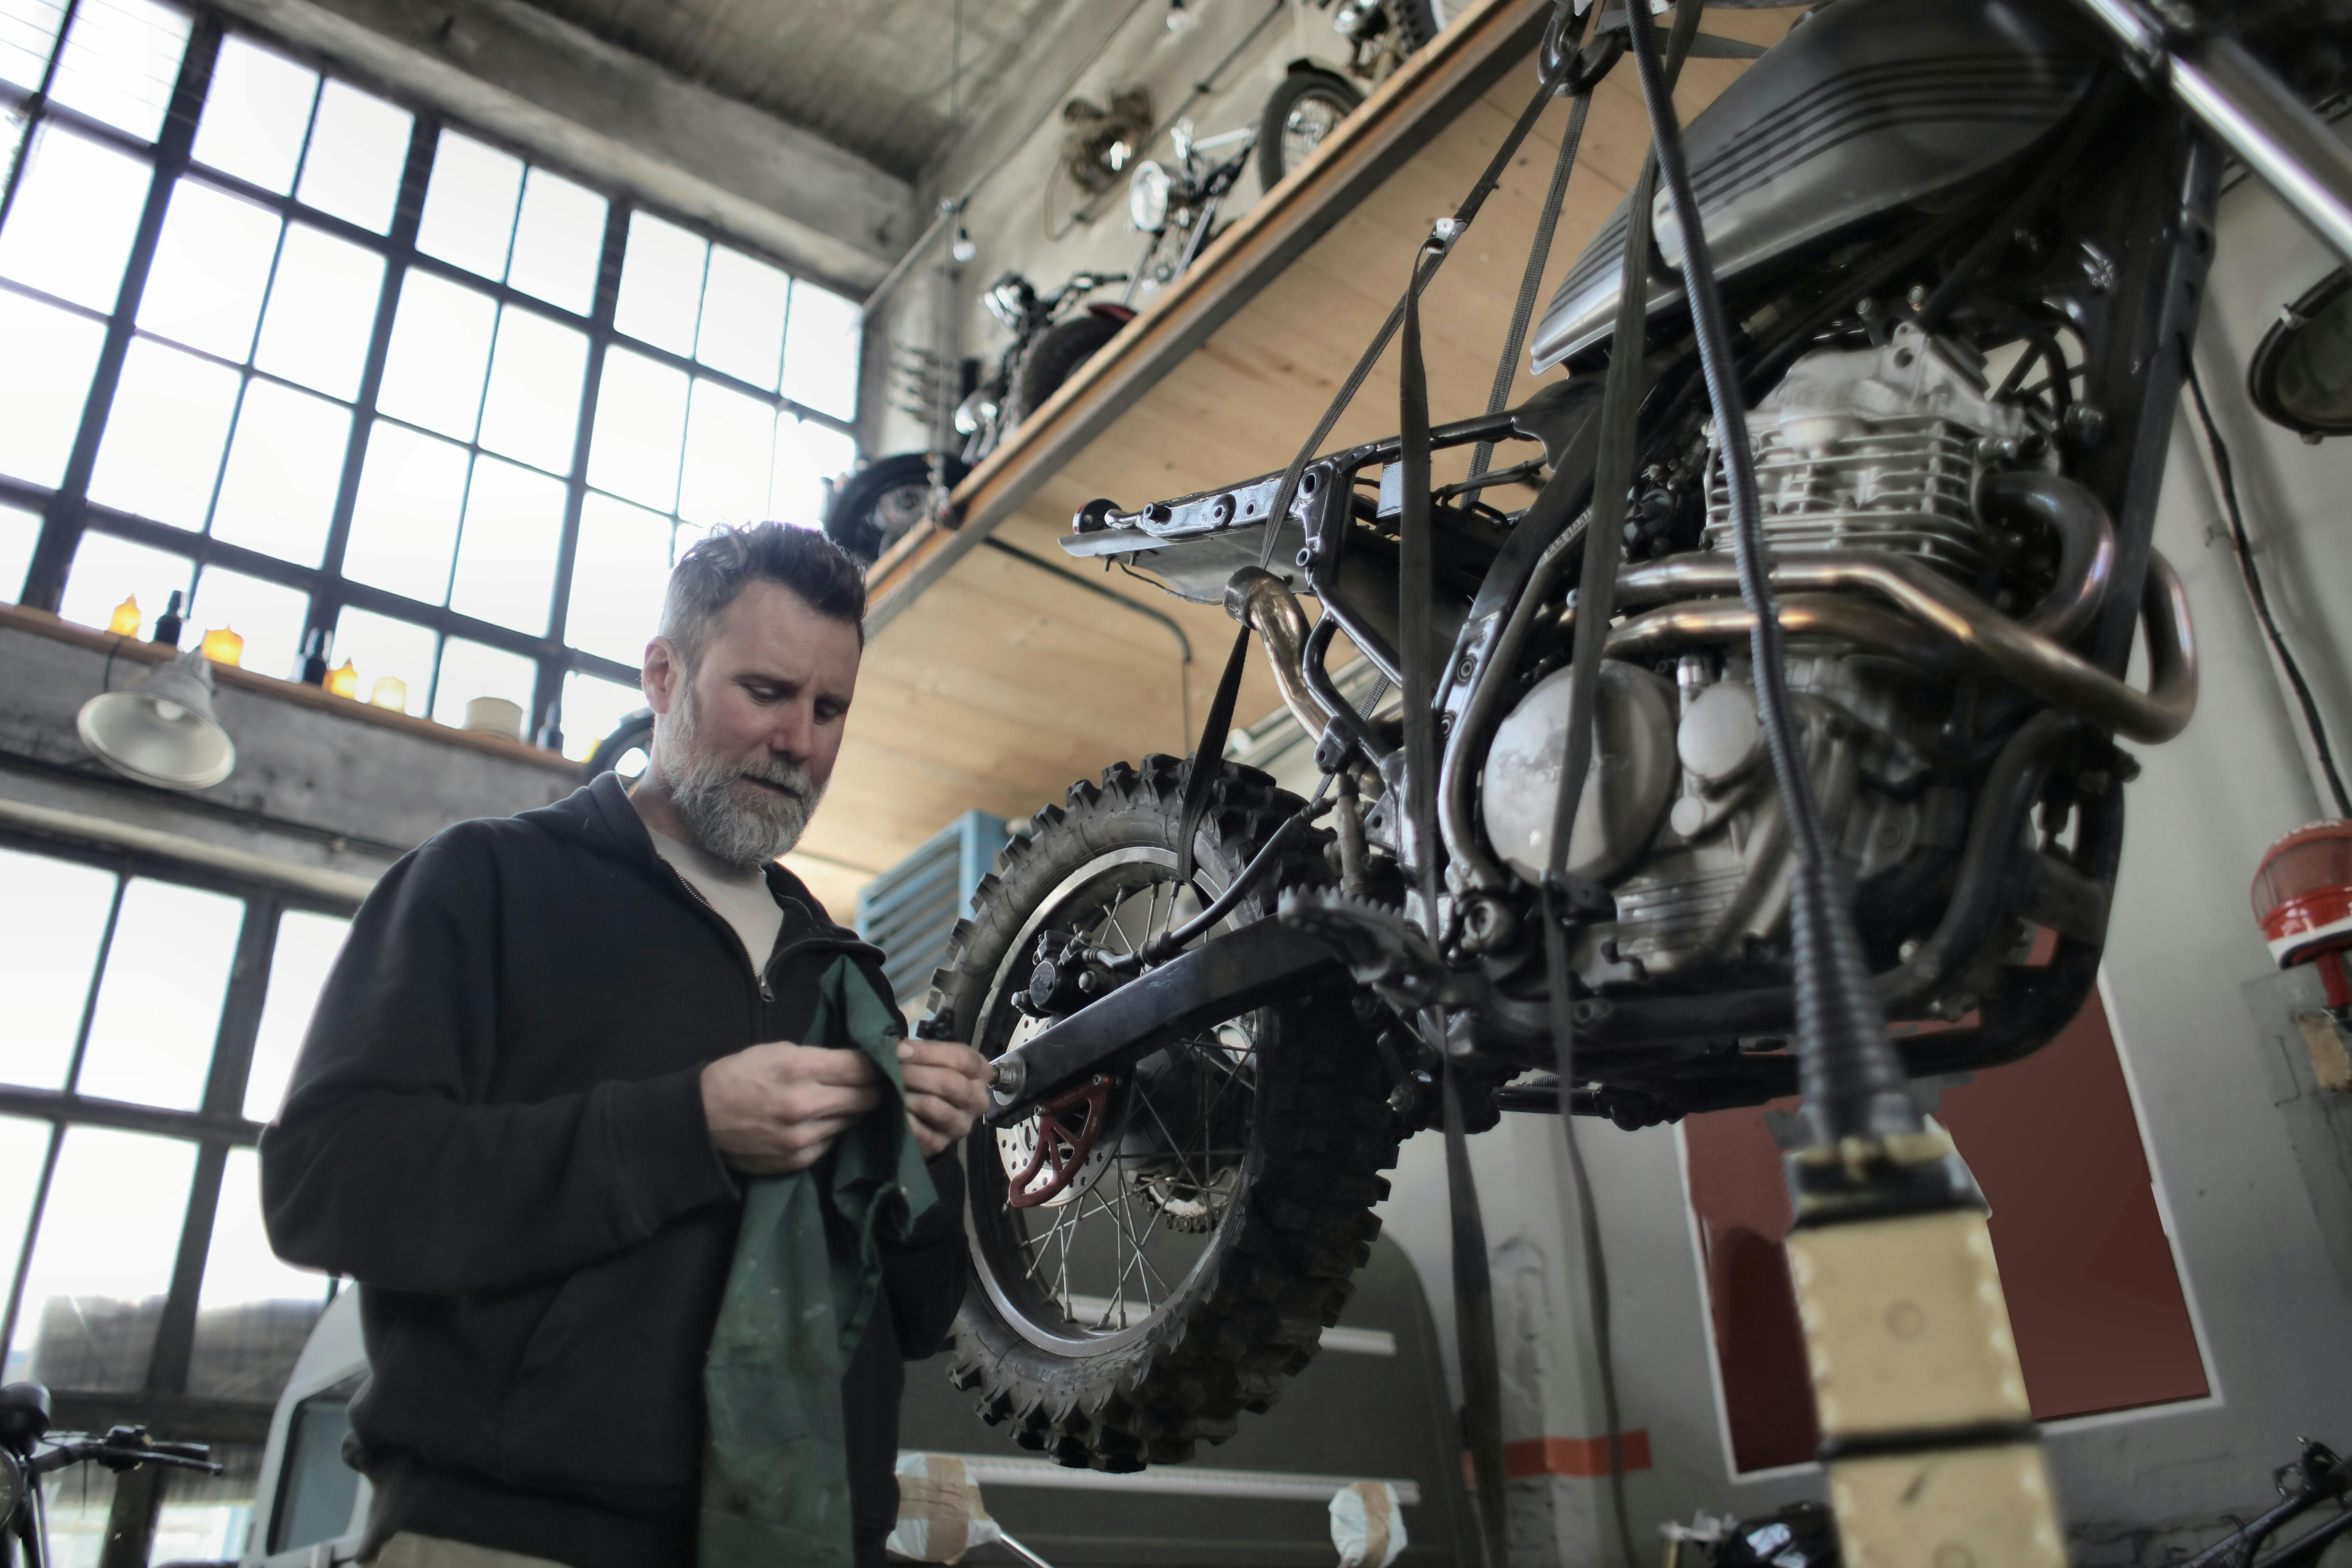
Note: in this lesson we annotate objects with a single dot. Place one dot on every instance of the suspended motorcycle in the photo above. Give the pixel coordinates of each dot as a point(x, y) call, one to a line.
point(1958, 248)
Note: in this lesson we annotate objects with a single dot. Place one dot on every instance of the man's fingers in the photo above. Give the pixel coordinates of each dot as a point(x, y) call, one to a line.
point(945, 1083)
point(948, 1054)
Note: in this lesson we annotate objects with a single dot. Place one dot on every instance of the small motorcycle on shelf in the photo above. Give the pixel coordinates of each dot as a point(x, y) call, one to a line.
point(1053, 334)
point(1175, 207)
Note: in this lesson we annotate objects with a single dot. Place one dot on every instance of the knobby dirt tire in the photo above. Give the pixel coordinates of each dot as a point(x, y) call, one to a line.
point(1277, 1268)
point(1055, 357)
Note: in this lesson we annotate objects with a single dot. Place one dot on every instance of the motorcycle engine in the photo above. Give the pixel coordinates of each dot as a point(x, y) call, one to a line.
point(1869, 449)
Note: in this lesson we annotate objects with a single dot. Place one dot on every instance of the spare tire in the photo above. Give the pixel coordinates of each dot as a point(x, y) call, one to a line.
point(875, 506)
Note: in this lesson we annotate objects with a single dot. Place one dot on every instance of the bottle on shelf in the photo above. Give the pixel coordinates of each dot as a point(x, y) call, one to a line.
point(167, 624)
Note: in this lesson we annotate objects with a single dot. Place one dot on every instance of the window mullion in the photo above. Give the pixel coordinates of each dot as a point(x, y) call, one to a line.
point(548, 699)
point(240, 1023)
point(37, 110)
point(23, 1259)
point(327, 604)
point(96, 978)
point(175, 1335)
point(45, 585)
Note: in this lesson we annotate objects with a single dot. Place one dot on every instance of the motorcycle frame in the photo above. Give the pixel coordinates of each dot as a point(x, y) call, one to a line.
point(2127, 275)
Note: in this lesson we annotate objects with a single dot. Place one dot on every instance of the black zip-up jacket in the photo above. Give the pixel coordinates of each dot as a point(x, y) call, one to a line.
point(495, 1127)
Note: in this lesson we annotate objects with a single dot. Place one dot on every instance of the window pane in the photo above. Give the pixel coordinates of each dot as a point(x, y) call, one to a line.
point(211, 268)
point(28, 31)
point(23, 1147)
point(40, 415)
point(322, 312)
point(270, 617)
point(661, 283)
point(77, 212)
point(822, 345)
point(307, 945)
point(106, 570)
point(807, 457)
point(277, 493)
point(593, 709)
point(558, 242)
point(121, 60)
point(254, 1311)
point(471, 669)
point(94, 1293)
point(440, 351)
point(506, 557)
point(52, 918)
point(158, 1001)
point(531, 410)
point(20, 531)
point(256, 113)
point(742, 329)
point(162, 446)
point(405, 522)
point(640, 420)
point(618, 576)
point(729, 440)
point(381, 648)
point(470, 204)
point(358, 145)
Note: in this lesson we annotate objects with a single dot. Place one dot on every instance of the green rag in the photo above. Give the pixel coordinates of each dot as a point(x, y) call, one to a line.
point(776, 1475)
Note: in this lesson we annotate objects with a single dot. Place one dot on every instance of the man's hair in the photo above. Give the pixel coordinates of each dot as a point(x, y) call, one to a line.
point(708, 578)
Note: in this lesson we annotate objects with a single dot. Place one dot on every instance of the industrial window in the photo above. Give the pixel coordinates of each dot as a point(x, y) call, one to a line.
point(154, 1019)
point(331, 367)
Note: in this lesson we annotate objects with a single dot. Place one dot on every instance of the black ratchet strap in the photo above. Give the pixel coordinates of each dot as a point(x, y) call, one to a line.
point(1208, 757)
point(1604, 540)
point(1448, 232)
point(1474, 1286)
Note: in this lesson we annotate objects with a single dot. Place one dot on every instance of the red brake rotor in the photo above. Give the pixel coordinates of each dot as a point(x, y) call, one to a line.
point(1063, 1151)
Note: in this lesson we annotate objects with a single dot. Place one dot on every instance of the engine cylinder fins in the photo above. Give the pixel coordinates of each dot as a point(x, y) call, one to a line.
point(1878, 448)
point(1627, 791)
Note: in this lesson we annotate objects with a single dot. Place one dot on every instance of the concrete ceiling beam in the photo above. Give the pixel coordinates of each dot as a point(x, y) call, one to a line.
point(620, 121)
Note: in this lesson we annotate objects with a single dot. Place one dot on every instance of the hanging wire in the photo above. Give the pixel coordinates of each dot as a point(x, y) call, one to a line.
point(2243, 549)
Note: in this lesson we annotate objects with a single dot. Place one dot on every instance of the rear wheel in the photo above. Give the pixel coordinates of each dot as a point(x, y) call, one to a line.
point(1298, 114)
point(1056, 356)
point(875, 507)
point(1194, 1222)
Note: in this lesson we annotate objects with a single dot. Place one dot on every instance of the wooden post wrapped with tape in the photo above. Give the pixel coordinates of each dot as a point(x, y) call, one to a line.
point(940, 1516)
point(1933, 1458)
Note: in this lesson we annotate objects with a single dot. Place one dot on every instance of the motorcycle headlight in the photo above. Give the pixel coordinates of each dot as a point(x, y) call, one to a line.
point(974, 412)
point(2302, 373)
point(1147, 197)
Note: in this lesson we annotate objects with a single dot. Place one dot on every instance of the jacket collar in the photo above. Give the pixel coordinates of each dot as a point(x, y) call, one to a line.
point(599, 814)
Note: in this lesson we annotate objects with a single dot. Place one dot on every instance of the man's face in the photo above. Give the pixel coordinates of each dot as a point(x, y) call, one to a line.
point(747, 741)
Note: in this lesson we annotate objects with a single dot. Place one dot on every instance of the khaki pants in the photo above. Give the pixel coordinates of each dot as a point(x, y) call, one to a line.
point(409, 1551)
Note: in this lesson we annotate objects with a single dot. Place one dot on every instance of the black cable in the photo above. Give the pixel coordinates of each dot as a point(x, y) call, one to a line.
point(2243, 549)
point(1852, 1076)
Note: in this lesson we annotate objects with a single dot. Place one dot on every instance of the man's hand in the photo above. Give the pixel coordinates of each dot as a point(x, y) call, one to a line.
point(947, 1091)
point(777, 1108)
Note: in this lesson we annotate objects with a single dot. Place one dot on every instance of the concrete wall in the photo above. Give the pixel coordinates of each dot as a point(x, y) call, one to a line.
point(1023, 218)
point(2273, 1322)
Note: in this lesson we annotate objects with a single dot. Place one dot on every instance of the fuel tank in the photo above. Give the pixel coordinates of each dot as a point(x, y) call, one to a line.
point(1866, 107)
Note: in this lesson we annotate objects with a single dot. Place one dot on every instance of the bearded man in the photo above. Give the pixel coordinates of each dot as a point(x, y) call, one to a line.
point(557, 1050)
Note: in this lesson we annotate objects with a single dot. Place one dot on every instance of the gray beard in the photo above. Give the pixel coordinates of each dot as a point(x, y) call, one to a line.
point(737, 823)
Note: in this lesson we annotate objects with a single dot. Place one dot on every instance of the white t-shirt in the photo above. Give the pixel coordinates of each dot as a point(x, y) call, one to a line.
point(742, 898)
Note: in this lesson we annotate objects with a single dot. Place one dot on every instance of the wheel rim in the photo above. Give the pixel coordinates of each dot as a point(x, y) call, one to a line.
point(896, 510)
point(1094, 1269)
point(1310, 121)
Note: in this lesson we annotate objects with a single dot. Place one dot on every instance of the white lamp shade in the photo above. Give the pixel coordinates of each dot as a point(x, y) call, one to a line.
point(162, 732)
